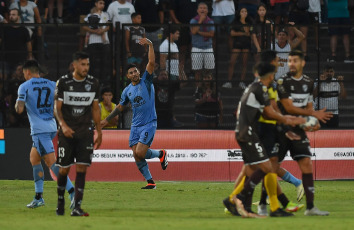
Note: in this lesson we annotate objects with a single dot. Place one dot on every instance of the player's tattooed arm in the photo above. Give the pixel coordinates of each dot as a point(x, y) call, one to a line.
point(67, 131)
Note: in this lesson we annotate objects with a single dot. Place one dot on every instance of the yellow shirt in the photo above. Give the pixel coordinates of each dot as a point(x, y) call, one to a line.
point(273, 95)
point(105, 113)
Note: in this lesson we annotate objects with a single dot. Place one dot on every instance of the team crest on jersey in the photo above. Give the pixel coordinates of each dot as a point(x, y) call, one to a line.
point(71, 88)
point(305, 88)
point(292, 87)
point(265, 89)
point(280, 81)
point(87, 87)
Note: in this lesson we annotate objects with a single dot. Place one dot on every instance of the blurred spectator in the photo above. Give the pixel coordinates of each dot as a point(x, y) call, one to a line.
point(281, 12)
point(202, 55)
point(283, 45)
point(98, 43)
point(16, 43)
point(151, 12)
point(4, 9)
point(242, 34)
point(165, 90)
point(262, 29)
point(59, 18)
point(29, 14)
point(250, 5)
point(136, 53)
point(120, 11)
point(300, 16)
point(12, 118)
point(326, 92)
point(169, 59)
point(107, 106)
point(339, 24)
point(181, 12)
point(208, 104)
point(315, 17)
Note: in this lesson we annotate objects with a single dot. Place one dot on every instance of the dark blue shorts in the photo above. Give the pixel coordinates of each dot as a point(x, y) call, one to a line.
point(339, 26)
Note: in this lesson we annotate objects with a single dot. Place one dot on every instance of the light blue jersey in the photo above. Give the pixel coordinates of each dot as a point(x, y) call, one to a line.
point(142, 99)
point(38, 95)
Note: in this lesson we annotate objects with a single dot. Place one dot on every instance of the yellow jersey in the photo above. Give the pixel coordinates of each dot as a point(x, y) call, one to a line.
point(105, 113)
point(273, 95)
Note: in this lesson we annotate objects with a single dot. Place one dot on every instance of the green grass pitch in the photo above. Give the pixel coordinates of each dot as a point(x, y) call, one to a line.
point(173, 205)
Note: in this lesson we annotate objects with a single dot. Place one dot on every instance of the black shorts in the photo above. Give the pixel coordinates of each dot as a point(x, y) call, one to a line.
point(77, 150)
point(242, 43)
point(281, 9)
point(339, 26)
point(315, 17)
point(301, 18)
point(268, 136)
point(253, 151)
point(298, 149)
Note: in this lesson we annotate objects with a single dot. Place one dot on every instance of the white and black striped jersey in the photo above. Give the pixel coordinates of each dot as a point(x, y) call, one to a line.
point(298, 90)
point(77, 97)
point(328, 94)
point(283, 54)
point(250, 108)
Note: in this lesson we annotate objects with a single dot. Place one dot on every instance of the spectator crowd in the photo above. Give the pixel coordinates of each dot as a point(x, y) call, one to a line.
point(185, 35)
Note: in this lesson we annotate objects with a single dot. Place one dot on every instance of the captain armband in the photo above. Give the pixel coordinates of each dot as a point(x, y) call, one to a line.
point(114, 113)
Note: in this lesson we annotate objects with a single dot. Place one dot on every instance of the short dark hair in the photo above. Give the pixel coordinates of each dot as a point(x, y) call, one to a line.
point(268, 56)
point(133, 15)
point(31, 65)
point(283, 30)
point(15, 9)
point(328, 67)
point(298, 53)
point(80, 55)
point(174, 29)
point(264, 68)
point(129, 67)
point(106, 90)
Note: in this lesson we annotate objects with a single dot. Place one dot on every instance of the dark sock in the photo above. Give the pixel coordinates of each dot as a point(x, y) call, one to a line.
point(283, 200)
point(151, 181)
point(38, 196)
point(79, 188)
point(71, 190)
point(249, 186)
point(307, 181)
point(263, 195)
point(61, 186)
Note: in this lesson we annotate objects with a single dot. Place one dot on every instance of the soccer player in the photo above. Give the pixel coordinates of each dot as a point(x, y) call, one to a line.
point(268, 136)
point(253, 103)
point(141, 94)
point(295, 93)
point(76, 105)
point(37, 95)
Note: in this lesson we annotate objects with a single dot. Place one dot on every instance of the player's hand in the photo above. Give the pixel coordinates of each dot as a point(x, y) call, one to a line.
point(322, 115)
point(98, 140)
point(67, 131)
point(340, 78)
point(293, 121)
point(103, 123)
point(292, 136)
point(145, 41)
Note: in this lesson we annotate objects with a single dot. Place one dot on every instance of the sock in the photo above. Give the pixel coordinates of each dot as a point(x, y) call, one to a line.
point(38, 177)
point(270, 183)
point(283, 200)
point(79, 188)
point(249, 186)
point(307, 180)
point(61, 186)
point(238, 189)
point(144, 169)
point(288, 177)
point(69, 186)
point(263, 195)
point(152, 154)
point(38, 195)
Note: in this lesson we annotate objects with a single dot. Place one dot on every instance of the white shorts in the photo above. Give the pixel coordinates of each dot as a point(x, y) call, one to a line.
point(202, 58)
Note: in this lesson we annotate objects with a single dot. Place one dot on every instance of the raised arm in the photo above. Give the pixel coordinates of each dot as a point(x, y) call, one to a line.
point(150, 67)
